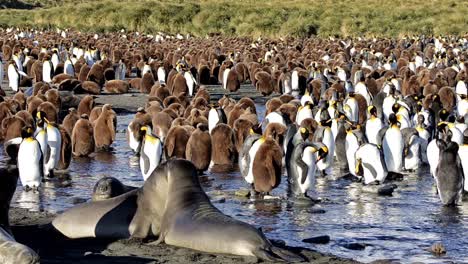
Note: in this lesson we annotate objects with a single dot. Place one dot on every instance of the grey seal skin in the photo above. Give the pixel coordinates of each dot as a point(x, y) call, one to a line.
point(109, 187)
point(449, 174)
point(190, 220)
point(11, 252)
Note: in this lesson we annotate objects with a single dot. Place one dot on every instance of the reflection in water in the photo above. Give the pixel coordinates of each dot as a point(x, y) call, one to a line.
point(398, 227)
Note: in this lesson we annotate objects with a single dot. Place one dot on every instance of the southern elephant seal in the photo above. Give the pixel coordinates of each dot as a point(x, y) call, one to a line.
point(109, 187)
point(11, 252)
point(190, 220)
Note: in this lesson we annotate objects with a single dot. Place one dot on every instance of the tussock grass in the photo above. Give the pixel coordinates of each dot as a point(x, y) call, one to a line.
point(275, 18)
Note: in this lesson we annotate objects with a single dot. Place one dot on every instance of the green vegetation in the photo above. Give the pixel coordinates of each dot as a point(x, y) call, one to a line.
point(254, 18)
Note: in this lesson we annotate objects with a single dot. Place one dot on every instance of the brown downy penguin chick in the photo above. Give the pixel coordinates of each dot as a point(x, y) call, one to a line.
point(179, 85)
point(49, 109)
point(203, 93)
point(65, 150)
point(160, 92)
point(61, 77)
point(88, 87)
point(11, 127)
point(104, 128)
point(276, 131)
point(33, 103)
point(196, 118)
point(223, 145)
point(311, 125)
point(147, 81)
point(242, 128)
point(447, 97)
point(86, 105)
point(70, 120)
point(21, 99)
point(116, 87)
point(95, 113)
point(82, 137)
point(272, 105)
point(264, 83)
point(232, 81)
point(175, 143)
point(161, 124)
point(53, 96)
point(84, 71)
point(135, 83)
point(199, 148)
point(96, 74)
point(27, 117)
point(266, 166)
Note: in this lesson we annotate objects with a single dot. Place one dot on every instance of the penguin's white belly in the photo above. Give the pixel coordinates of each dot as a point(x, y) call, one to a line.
point(69, 69)
point(373, 127)
point(372, 163)
point(433, 156)
point(424, 140)
point(29, 167)
point(329, 141)
point(393, 149)
point(351, 147)
point(190, 82)
point(287, 87)
point(361, 89)
point(305, 99)
point(412, 160)
point(46, 70)
point(457, 136)
point(274, 117)
point(161, 75)
point(295, 81)
point(13, 78)
point(309, 159)
point(252, 152)
point(41, 137)
point(225, 77)
point(153, 151)
point(304, 113)
point(132, 142)
point(387, 106)
point(463, 154)
point(54, 140)
point(354, 113)
point(213, 119)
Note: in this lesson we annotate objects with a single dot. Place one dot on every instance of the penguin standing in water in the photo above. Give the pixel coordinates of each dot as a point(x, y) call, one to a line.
point(54, 143)
point(424, 136)
point(370, 164)
point(325, 135)
point(302, 165)
point(412, 150)
point(354, 139)
point(392, 144)
point(150, 150)
point(249, 149)
point(373, 125)
point(293, 138)
point(30, 160)
point(449, 174)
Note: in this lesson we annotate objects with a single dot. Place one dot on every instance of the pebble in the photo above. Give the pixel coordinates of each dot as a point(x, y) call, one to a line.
point(438, 249)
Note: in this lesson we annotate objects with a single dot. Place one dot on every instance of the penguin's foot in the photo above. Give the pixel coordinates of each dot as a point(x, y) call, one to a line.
point(394, 176)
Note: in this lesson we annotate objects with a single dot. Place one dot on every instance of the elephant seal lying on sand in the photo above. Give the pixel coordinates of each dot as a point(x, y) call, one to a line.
point(172, 205)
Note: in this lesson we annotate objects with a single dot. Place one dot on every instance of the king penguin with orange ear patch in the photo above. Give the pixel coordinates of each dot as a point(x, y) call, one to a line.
point(325, 135)
point(373, 125)
point(150, 150)
point(302, 165)
point(30, 160)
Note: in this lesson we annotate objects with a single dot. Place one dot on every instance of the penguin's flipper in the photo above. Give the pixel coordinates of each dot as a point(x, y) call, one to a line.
point(380, 135)
point(304, 168)
point(146, 162)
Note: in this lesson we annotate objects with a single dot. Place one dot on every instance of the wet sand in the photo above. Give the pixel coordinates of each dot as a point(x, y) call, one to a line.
point(33, 228)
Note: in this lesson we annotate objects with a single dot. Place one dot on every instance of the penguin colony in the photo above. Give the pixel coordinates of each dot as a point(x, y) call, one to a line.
point(373, 109)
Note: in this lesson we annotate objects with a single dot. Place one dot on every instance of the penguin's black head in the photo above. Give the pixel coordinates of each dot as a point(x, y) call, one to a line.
point(396, 107)
point(443, 115)
point(421, 119)
point(27, 132)
point(40, 117)
point(373, 111)
point(392, 118)
point(322, 153)
point(304, 133)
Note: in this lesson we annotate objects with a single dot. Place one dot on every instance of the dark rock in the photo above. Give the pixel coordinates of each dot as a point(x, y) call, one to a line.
point(317, 240)
point(355, 246)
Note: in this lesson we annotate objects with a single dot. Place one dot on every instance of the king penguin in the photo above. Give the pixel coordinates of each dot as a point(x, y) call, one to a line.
point(302, 165)
point(449, 174)
point(370, 164)
point(373, 125)
point(30, 160)
point(325, 135)
point(392, 144)
point(463, 154)
point(150, 150)
point(216, 115)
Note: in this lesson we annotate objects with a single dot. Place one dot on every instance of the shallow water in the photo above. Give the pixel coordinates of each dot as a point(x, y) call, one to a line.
point(400, 227)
